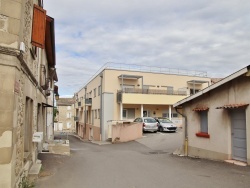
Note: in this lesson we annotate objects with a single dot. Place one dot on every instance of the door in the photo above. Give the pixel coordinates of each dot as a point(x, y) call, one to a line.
point(239, 145)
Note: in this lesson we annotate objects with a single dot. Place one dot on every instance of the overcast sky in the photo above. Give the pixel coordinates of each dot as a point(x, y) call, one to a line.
point(203, 35)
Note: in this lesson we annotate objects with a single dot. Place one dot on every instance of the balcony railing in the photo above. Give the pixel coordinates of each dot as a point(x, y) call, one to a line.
point(153, 91)
point(76, 118)
point(88, 102)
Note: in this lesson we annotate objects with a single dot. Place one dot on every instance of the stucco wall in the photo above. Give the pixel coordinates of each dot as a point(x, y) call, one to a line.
point(126, 131)
point(219, 145)
point(111, 84)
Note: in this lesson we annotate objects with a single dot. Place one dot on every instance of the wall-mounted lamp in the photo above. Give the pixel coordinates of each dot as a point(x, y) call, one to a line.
point(57, 96)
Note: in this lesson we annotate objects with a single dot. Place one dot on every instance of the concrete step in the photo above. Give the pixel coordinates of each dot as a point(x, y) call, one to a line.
point(34, 171)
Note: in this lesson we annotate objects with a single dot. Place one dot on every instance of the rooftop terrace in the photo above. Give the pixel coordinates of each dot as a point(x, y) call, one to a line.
point(143, 68)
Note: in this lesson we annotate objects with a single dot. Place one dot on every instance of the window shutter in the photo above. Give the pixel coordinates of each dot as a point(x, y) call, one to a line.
point(38, 27)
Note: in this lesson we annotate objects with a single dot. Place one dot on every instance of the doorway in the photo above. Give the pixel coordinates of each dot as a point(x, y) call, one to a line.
point(239, 144)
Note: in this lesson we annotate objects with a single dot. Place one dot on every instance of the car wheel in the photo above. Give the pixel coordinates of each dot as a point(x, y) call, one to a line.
point(161, 129)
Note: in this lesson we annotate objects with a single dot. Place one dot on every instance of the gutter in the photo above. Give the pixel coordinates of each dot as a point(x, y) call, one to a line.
point(186, 132)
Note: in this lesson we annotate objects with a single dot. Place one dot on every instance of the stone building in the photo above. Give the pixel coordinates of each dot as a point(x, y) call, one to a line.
point(64, 121)
point(27, 74)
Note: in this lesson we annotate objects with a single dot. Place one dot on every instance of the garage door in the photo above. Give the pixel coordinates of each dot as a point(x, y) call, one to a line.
point(239, 149)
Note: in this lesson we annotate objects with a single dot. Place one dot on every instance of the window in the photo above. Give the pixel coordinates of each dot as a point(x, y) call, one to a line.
point(193, 91)
point(124, 113)
point(68, 115)
point(90, 94)
point(99, 115)
point(128, 113)
point(95, 114)
point(128, 88)
point(95, 92)
point(68, 125)
point(99, 90)
point(92, 119)
point(203, 124)
point(173, 115)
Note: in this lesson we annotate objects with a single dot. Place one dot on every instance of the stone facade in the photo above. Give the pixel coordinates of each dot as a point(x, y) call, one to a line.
point(23, 102)
point(65, 117)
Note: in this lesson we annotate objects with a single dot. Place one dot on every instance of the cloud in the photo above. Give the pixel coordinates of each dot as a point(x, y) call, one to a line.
point(203, 35)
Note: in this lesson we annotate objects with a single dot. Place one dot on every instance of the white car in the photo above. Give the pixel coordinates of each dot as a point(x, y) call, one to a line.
point(166, 125)
point(148, 124)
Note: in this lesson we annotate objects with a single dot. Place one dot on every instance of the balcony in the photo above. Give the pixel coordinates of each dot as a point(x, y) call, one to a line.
point(88, 102)
point(76, 118)
point(150, 96)
point(154, 91)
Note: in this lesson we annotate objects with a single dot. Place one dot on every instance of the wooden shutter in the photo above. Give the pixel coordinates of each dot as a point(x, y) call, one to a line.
point(38, 27)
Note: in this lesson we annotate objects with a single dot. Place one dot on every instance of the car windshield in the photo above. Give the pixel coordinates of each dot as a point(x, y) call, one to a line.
point(165, 121)
point(149, 120)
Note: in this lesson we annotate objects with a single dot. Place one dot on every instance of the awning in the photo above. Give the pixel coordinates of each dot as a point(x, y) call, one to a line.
point(198, 109)
point(232, 106)
point(47, 105)
point(125, 76)
point(197, 82)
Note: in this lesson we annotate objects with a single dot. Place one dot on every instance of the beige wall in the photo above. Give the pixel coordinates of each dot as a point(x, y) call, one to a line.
point(219, 145)
point(126, 131)
point(111, 84)
point(129, 98)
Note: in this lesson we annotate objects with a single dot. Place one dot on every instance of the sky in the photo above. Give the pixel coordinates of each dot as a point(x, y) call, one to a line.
point(203, 35)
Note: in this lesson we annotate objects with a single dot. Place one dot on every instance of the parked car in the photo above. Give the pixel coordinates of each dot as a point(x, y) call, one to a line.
point(148, 124)
point(165, 124)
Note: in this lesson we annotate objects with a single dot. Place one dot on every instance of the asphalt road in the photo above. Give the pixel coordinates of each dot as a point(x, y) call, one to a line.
point(146, 163)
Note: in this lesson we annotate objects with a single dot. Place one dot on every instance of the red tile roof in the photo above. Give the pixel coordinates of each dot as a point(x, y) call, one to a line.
point(198, 109)
point(231, 106)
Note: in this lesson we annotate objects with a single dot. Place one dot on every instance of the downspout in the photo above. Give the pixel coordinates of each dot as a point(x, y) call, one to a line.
point(186, 133)
point(85, 112)
point(101, 110)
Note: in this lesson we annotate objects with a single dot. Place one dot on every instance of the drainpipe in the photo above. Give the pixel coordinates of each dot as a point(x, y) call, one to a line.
point(101, 112)
point(85, 112)
point(186, 133)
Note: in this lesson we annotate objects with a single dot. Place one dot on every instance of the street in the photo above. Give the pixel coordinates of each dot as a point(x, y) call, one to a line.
point(145, 163)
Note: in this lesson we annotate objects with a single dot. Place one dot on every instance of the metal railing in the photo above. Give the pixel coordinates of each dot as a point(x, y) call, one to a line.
point(76, 118)
point(88, 101)
point(153, 91)
point(143, 68)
